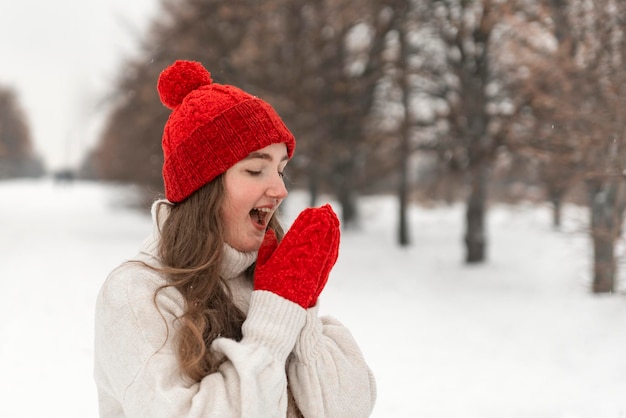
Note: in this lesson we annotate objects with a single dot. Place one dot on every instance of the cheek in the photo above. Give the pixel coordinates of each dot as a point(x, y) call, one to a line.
point(235, 209)
point(229, 211)
point(231, 224)
point(241, 195)
point(237, 202)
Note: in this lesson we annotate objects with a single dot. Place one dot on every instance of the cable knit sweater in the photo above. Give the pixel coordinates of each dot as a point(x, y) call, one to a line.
point(136, 369)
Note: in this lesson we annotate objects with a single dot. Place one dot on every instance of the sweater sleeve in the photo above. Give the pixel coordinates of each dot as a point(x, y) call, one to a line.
point(327, 372)
point(137, 372)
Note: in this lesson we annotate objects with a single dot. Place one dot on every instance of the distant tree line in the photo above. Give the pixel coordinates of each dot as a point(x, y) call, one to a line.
point(17, 156)
point(440, 100)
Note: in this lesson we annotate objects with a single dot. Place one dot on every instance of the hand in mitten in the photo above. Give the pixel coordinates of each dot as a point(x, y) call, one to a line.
point(298, 268)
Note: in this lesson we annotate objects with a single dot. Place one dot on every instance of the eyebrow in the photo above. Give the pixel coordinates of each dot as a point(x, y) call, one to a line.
point(264, 156)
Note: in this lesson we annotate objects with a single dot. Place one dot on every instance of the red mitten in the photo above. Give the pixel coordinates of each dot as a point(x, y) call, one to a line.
point(298, 268)
point(331, 259)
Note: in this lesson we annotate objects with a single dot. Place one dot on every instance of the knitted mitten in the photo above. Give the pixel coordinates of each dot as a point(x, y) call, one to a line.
point(297, 269)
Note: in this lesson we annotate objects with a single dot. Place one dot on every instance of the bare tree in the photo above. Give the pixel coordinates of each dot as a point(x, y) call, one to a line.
point(465, 28)
point(402, 11)
point(17, 156)
point(600, 53)
point(295, 54)
point(574, 124)
point(321, 63)
point(211, 32)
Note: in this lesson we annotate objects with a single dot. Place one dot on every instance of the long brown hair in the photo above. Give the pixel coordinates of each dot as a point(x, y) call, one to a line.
point(191, 252)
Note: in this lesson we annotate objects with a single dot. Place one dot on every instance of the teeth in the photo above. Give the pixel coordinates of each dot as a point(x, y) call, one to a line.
point(261, 215)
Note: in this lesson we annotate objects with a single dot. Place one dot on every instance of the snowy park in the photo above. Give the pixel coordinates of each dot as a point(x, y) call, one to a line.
point(519, 336)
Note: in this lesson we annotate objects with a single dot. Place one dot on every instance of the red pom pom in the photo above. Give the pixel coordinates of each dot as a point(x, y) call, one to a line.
point(180, 79)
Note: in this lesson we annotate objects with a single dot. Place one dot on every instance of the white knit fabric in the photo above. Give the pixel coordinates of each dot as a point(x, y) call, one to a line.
point(136, 370)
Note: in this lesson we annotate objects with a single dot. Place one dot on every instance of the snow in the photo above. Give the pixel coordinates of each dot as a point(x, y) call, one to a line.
point(520, 336)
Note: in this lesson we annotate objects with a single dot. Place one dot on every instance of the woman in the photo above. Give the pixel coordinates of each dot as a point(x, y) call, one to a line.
point(217, 314)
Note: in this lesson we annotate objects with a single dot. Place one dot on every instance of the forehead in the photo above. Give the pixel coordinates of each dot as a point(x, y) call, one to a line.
point(274, 152)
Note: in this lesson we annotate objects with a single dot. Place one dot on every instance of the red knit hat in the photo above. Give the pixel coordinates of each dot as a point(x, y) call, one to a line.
point(211, 128)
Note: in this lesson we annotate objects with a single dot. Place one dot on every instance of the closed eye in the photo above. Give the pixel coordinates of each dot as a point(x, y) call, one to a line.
point(253, 173)
point(284, 176)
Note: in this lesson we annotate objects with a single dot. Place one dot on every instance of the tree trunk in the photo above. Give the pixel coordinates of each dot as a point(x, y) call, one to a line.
point(349, 208)
point(604, 267)
point(403, 224)
point(556, 212)
point(475, 236)
point(556, 189)
point(345, 190)
point(605, 228)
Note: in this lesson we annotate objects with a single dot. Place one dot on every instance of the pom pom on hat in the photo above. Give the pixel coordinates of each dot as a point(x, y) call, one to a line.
point(180, 79)
point(211, 128)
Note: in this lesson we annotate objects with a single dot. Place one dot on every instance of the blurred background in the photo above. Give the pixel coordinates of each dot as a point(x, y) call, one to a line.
point(431, 103)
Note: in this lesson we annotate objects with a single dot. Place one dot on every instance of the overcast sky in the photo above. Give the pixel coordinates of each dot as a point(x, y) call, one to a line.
point(60, 57)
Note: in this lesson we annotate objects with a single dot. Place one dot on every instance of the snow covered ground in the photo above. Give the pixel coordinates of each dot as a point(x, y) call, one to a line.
point(518, 337)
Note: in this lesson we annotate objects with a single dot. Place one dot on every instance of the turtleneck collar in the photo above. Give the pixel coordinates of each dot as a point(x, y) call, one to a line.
point(234, 262)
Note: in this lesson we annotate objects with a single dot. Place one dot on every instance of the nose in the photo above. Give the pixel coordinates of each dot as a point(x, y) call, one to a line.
point(277, 189)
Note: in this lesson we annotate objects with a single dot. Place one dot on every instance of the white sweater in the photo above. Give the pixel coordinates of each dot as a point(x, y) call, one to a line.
point(136, 368)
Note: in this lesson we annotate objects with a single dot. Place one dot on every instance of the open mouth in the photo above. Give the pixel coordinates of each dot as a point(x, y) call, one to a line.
point(260, 216)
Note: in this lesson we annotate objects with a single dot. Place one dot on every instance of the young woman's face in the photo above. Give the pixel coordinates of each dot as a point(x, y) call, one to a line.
point(254, 188)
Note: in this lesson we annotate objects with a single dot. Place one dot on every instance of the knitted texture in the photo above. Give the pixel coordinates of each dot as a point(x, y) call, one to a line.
point(211, 128)
point(298, 268)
